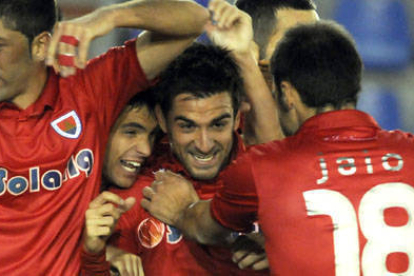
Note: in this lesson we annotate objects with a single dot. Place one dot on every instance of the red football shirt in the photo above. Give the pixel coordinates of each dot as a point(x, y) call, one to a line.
point(163, 249)
point(51, 159)
point(337, 198)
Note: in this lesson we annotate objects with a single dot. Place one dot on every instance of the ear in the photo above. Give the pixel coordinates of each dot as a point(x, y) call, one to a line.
point(237, 121)
point(160, 118)
point(287, 95)
point(39, 46)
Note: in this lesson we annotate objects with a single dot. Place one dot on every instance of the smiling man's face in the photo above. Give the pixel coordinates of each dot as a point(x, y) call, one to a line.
point(201, 132)
point(129, 145)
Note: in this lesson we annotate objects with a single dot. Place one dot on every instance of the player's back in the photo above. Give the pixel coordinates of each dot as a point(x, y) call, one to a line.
point(338, 198)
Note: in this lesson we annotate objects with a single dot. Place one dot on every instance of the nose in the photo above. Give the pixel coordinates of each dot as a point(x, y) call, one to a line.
point(203, 142)
point(143, 147)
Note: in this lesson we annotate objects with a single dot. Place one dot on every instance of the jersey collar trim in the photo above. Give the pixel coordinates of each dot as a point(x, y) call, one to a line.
point(339, 119)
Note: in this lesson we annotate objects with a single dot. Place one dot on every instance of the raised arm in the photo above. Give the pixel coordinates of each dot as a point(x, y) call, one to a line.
point(176, 23)
point(234, 31)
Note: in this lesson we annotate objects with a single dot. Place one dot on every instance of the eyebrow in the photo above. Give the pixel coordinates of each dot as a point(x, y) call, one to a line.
point(134, 125)
point(182, 118)
point(215, 120)
point(222, 117)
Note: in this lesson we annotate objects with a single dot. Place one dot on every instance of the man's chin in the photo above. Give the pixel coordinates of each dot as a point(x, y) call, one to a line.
point(203, 176)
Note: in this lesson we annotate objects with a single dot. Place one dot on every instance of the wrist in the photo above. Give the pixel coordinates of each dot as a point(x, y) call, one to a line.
point(93, 247)
point(184, 214)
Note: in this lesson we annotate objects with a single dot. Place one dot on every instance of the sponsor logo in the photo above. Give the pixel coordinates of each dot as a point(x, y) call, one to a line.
point(150, 232)
point(49, 180)
point(68, 125)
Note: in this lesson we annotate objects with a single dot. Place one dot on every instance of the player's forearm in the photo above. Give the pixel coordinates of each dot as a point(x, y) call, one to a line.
point(262, 120)
point(177, 18)
point(197, 223)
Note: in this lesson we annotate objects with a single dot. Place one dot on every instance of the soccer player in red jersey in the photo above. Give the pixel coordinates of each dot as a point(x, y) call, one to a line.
point(271, 19)
point(335, 197)
point(201, 127)
point(130, 144)
point(54, 130)
point(199, 112)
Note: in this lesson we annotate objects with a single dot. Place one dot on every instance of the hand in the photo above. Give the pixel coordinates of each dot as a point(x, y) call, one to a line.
point(69, 44)
point(168, 196)
point(101, 217)
point(248, 252)
point(128, 264)
point(233, 29)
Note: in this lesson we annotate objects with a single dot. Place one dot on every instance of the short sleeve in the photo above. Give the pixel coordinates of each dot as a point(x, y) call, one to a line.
point(235, 205)
point(111, 80)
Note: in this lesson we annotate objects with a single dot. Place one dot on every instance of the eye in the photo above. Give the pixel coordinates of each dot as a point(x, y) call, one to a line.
point(130, 132)
point(186, 126)
point(220, 124)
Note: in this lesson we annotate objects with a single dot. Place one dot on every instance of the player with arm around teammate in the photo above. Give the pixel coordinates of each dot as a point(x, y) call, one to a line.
point(55, 129)
point(173, 80)
point(347, 210)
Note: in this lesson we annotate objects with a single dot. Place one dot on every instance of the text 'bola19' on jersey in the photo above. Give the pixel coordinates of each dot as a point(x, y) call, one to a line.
point(337, 198)
point(51, 159)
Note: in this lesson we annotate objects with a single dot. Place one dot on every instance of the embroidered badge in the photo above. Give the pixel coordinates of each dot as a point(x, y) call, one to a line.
point(150, 232)
point(68, 125)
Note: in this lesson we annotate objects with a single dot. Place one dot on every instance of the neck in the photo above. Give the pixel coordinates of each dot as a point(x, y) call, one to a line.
point(310, 111)
point(33, 88)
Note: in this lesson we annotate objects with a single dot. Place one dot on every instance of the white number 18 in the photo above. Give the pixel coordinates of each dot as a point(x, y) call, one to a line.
point(382, 239)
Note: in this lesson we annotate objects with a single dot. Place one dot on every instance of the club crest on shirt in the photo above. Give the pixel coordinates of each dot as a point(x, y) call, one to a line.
point(68, 125)
point(150, 232)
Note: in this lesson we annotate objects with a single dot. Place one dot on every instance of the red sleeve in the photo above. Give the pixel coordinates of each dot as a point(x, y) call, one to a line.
point(235, 205)
point(112, 79)
point(94, 264)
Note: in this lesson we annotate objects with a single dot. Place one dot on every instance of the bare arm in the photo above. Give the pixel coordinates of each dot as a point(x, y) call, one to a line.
point(177, 21)
point(234, 31)
point(261, 121)
point(173, 200)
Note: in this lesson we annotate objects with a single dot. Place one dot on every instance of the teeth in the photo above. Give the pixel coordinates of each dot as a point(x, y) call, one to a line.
point(131, 166)
point(204, 159)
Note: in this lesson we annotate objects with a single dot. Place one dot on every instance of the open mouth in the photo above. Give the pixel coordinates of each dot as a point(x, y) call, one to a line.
point(131, 166)
point(204, 158)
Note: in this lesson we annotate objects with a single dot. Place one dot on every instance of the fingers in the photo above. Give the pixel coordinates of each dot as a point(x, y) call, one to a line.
point(128, 204)
point(261, 265)
point(148, 192)
point(146, 204)
point(106, 209)
point(128, 265)
point(224, 13)
point(106, 197)
point(68, 48)
point(245, 259)
point(163, 174)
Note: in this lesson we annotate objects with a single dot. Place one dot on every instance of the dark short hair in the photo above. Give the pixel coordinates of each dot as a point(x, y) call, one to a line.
point(203, 71)
point(321, 61)
point(263, 14)
point(30, 17)
point(143, 98)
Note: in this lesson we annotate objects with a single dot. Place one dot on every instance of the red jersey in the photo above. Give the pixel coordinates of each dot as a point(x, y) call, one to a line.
point(162, 248)
point(337, 198)
point(51, 160)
